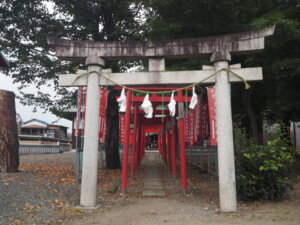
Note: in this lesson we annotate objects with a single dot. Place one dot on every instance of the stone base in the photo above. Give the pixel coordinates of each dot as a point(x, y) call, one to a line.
point(87, 207)
point(154, 193)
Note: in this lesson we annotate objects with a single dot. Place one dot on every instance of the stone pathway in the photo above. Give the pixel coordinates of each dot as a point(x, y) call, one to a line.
point(153, 186)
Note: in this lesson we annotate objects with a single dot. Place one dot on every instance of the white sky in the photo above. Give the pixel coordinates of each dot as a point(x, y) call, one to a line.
point(26, 112)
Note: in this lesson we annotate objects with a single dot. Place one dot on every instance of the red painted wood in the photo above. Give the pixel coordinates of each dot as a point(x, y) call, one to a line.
point(173, 150)
point(163, 144)
point(182, 148)
point(139, 145)
point(134, 141)
point(168, 148)
point(153, 88)
point(153, 99)
point(126, 142)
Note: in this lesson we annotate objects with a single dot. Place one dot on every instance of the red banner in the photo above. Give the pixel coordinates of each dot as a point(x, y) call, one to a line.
point(212, 116)
point(191, 127)
point(103, 106)
point(204, 128)
point(122, 128)
point(186, 127)
point(197, 118)
point(77, 121)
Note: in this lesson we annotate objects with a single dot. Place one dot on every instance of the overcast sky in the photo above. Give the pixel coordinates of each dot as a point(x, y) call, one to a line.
point(26, 112)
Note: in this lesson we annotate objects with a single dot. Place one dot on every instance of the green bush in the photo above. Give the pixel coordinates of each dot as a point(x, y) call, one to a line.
point(262, 172)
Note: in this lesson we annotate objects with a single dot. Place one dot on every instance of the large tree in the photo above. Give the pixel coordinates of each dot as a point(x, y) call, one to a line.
point(24, 26)
point(276, 97)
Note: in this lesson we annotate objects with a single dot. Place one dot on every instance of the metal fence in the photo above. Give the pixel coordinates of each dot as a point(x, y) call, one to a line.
point(43, 149)
point(79, 157)
point(204, 158)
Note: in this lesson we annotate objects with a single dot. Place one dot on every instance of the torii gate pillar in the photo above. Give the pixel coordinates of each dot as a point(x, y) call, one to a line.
point(90, 149)
point(227, 185)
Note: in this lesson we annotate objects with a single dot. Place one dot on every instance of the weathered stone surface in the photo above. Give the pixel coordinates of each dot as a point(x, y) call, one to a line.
point(154, 187)
point(238, 43)
point(161, 78)
point(154, 193)
point(156, 65)
point(94, 60)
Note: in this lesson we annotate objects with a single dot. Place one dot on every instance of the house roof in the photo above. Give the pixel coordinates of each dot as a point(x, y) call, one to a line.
point(34, 119)
point(35, 123)
point(3, 61)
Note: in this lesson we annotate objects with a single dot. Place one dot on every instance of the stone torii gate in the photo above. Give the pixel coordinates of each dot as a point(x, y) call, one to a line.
point(220, 48)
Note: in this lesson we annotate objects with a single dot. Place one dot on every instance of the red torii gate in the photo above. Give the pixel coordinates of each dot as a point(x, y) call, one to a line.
point(166, 127)
point(166, 140)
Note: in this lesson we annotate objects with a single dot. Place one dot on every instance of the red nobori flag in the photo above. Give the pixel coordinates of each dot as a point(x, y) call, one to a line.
point(103, 106)
point(212, 116)
point(197, 118)
point(186, 127)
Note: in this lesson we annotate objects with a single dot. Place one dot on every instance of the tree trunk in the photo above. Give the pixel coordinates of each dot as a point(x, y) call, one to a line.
point(112, 133)
point(252, 117)
point(9, 144)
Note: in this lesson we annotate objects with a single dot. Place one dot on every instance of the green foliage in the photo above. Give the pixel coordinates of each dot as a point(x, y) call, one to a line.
point(24, 26)
point(262, 172)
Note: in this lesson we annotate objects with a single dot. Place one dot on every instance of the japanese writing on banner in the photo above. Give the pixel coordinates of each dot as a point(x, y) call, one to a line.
point(191, 127)
point(103, 106)
point(204, 121)
point(186, 128)
point(122, 128)
point(212, 116)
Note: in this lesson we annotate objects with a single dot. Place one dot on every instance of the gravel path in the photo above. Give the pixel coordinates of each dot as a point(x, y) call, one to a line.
point(44, 191)
point(36, 194)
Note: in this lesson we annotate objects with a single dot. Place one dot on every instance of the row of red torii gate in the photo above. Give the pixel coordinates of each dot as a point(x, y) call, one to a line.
point(198, 128)
point(219, 48)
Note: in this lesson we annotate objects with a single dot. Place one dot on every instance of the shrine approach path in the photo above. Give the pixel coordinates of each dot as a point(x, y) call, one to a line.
point(193, 209)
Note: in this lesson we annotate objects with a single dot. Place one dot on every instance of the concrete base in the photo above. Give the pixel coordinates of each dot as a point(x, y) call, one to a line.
point(124, 192)
point(87, 208)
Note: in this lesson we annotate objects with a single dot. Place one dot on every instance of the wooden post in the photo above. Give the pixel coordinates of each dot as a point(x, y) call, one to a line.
point(143, 142)
point(138, 150)
point(182, 144)
point(168, 148)
point(173, 150)
point(134, 142)
point(126, 143)
point(163, 143)
point(9, 144)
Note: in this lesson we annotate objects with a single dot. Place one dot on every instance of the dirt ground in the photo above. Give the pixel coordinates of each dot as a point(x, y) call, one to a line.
point(44, 192)
point(200, 206)
point(189, 211)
